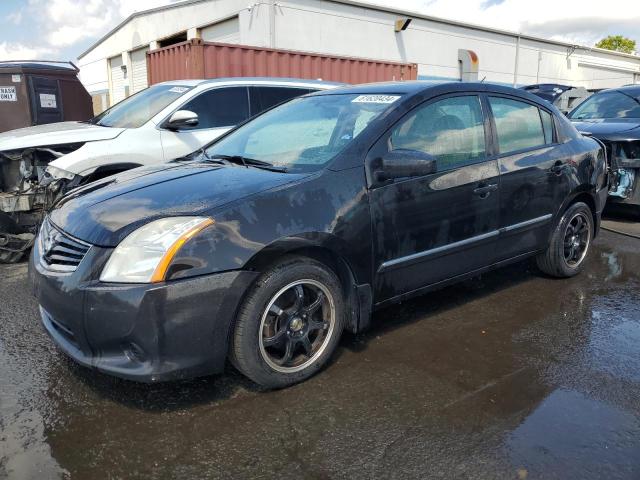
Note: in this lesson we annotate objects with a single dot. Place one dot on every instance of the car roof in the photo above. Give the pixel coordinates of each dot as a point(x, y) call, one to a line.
point(410, 88)
point(320, 84)
point(404, 87)
point(633, 90)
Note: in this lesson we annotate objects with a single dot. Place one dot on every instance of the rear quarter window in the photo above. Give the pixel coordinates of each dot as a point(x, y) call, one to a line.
point(547, 126)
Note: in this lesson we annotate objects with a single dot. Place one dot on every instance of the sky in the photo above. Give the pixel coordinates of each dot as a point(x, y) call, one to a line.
point(62, 29)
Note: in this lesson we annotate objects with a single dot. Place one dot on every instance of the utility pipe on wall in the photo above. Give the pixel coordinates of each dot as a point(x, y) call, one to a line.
point(515, 69)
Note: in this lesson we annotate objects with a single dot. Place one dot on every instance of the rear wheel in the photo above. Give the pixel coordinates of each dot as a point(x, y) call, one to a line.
point(289, 324)
point(569, 244)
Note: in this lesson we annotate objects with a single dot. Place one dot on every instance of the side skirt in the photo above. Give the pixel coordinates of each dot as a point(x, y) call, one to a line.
point(452, 280)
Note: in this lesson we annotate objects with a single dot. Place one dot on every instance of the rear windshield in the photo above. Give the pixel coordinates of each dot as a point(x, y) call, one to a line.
point(138, 109)
point(305, 133)
point(607, 105)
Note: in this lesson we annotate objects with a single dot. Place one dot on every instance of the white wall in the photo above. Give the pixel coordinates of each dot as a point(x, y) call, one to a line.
point(227, 31)
point(323, 26)
point(94, 75)
point(328, 27)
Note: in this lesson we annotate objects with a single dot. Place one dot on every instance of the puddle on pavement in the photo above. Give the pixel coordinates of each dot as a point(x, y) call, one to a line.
point(571, 436)
point(614, 343)
point(511, 376)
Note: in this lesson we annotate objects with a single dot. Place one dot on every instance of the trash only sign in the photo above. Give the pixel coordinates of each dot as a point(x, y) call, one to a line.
point(8, 94)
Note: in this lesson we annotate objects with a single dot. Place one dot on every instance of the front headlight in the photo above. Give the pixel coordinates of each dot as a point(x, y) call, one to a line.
point(144, 256)
point(57, 173)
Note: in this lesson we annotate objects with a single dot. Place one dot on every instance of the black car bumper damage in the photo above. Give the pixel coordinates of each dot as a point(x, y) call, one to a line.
point(146, 333)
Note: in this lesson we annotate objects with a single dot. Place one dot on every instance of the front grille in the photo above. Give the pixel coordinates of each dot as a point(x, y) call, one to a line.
point(60, 252)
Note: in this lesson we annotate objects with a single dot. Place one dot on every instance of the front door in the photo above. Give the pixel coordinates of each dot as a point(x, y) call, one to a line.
point(218, 109)
point(432, 228)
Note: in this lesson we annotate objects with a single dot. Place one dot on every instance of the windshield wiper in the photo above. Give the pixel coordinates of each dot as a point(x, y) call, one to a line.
point(247, 162)
point(197, 156)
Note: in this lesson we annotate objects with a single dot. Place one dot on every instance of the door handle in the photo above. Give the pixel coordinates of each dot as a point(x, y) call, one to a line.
point(558, 167)
point(483, 190)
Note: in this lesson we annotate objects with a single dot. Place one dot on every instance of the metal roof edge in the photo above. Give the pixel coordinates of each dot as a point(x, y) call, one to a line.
point(141, 13)
point(475, 26)
point(382, 8)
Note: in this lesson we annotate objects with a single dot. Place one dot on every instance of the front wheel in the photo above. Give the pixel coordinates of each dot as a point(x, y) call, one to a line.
point(569, 244)
point(289, 324)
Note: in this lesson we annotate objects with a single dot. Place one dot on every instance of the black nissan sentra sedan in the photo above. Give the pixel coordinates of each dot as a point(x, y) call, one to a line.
point(263, 247)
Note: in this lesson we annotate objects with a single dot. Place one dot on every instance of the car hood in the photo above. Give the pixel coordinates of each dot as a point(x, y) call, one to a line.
point(105, 212)
point(605, 126)
point(55, 134)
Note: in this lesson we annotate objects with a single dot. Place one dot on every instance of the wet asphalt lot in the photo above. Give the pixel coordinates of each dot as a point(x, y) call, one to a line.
point(512, 375)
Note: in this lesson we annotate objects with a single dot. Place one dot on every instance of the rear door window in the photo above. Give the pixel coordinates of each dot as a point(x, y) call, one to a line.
point(220, 107)
point(263, 98)
point(518, 125)
point(452, 130)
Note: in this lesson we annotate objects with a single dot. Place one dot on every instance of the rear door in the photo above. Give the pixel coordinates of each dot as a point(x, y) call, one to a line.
point(46, 104)
point(535, 173)
point(432, 228)
point(218, 109)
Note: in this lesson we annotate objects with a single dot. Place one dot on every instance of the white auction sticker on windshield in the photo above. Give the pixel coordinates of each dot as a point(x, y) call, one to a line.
point(375, 99)
point(178, 89)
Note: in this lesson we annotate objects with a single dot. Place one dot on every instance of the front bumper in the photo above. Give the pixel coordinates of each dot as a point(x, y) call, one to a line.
point(147, 333)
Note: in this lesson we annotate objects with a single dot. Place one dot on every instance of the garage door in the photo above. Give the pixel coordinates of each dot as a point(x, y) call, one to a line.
point(139, 69)
point(119, 83)
point(603, 77)
point(224, 32)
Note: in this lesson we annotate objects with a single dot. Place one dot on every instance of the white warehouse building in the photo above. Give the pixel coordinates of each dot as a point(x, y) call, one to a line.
point(117, 62)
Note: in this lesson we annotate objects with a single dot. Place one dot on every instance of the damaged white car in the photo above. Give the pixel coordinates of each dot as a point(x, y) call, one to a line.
point(166, 121)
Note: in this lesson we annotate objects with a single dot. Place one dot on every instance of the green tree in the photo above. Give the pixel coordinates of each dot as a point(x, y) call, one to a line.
point(617, 43)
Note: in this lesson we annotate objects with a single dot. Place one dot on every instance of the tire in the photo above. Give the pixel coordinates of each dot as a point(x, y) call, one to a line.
point(565, 256)
point(295, 299)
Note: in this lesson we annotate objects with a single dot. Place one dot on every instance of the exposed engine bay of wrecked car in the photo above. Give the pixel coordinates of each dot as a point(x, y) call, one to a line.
point(29, 186)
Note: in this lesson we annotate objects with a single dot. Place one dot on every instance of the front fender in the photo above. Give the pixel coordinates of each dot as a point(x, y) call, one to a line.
point(139, 146)
point(329, 211)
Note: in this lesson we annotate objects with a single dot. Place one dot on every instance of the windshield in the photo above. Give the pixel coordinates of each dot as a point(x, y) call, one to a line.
point(304, 134)
point(607, 105)
point(135, 111)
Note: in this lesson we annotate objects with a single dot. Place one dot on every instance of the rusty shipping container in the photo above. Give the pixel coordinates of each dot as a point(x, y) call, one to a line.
point(34, 93)
point(198, 59)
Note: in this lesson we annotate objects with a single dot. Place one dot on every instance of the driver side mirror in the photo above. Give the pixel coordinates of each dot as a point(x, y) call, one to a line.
point(182, 119)
point(403, 163)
